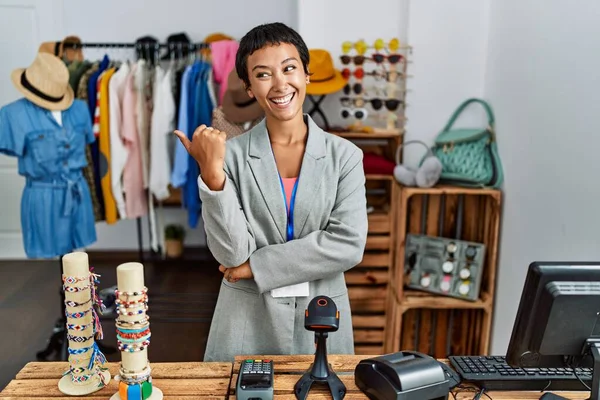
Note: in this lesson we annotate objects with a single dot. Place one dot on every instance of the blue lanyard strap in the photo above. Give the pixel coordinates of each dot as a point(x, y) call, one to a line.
point(290, 211)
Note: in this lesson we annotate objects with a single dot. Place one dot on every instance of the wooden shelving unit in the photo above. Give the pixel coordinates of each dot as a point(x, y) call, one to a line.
point(429, 323)
point(369, 282)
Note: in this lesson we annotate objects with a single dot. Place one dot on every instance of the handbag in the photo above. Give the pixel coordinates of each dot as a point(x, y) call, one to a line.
point(469, 156)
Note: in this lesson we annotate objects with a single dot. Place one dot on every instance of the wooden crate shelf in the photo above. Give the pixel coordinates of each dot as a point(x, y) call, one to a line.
point(443, 331)
point(414, 299)
point(369, 282)
point(419, 320)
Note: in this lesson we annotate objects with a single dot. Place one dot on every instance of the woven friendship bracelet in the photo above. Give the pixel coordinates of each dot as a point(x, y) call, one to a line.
point(79, 314)
point(80, 351)
point(73, 279)
point(79, 339)
point(75, 304)
point(74, 327)
point(75, 289)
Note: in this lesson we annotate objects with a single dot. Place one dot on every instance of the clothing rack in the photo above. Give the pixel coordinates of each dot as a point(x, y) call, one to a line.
point(147, 46)
point(141, 44)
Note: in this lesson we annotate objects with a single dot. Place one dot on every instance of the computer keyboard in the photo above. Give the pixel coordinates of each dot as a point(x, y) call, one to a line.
point(493, 373)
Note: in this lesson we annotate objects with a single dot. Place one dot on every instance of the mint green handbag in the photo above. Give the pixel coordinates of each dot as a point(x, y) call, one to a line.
point(469, 156)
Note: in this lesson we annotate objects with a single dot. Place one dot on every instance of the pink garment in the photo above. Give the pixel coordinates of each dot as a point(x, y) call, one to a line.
point(223, 60)
point(288, 186)
point(136, 200)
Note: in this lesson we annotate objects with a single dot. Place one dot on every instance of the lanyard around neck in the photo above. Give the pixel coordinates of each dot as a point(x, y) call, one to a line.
point(290, 211)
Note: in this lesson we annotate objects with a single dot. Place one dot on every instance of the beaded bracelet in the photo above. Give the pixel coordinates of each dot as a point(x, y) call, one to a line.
point(132, 313)
point(79, 339)
point(75, 304)
point(143, 291)
point(135, 335)
point(133, 340)
point(123, 371)
point(136, 377)
point(126, 303)
point(127, 331)
point(132, 348)
point(139, 322)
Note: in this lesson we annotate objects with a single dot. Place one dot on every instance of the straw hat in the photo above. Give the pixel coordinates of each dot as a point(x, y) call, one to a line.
point(45, 82)
point(325, 79)
point(237, 106)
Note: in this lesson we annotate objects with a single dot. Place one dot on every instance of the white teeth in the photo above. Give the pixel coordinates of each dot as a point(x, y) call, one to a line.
point(283, 100)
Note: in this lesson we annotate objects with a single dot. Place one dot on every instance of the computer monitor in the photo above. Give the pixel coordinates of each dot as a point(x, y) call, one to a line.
point(558, 319)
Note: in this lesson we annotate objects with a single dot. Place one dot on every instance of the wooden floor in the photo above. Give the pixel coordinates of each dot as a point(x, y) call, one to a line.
point(182, 296)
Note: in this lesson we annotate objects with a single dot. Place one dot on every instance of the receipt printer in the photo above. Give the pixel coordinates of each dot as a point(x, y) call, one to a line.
point(402, 376)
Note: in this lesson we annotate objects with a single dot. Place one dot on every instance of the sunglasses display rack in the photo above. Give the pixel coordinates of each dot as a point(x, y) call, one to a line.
point(376, 88)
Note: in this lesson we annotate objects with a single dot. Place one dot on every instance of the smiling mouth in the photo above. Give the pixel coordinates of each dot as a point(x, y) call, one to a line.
point(284, 100)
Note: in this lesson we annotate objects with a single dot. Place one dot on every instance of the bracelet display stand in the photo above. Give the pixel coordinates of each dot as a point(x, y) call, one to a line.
point(133, 335)
point(86, 373)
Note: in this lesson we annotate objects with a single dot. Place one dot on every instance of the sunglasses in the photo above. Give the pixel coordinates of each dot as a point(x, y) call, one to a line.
point(390, 104)
point(392, 58)
point(358, 113)
point(386, 75)
point(358, 60)
point(356, 102)
point(358, 73)
point(357, 88)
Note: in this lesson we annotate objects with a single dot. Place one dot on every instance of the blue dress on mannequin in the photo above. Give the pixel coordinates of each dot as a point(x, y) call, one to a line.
point(56, 208)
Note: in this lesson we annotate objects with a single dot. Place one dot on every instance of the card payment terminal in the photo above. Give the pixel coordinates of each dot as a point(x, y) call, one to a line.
point(255, 380)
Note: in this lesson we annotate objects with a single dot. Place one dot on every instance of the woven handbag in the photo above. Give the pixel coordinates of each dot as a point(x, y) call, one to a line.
point(469, 156)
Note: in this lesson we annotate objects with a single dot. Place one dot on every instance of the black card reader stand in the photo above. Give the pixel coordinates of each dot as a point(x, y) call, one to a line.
point(320, 371)
point(321, 317)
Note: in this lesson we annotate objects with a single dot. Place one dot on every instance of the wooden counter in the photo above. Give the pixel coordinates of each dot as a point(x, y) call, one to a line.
point(178, 381)
point(199, 380)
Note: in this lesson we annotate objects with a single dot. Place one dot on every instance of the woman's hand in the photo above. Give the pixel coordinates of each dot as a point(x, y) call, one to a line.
point(236, 273)
point(207, 147)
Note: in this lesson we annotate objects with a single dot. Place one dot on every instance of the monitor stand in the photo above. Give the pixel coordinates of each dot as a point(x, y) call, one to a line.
point(594, 346)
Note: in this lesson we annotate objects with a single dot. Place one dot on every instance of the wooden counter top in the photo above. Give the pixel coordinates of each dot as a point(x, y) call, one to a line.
point(200, 380)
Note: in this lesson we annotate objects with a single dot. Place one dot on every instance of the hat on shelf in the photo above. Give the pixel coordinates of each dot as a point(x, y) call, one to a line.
point(324, 79)
point(45, 82)
point(178, 45)
point(237, 106)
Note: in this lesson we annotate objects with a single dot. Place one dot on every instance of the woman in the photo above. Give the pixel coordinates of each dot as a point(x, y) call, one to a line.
point(274, 261)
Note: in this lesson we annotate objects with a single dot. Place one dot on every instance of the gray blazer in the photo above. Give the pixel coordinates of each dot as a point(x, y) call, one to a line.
point(248, 220)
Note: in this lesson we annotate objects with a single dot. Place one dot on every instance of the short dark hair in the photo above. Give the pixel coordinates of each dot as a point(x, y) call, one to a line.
point(263, 35)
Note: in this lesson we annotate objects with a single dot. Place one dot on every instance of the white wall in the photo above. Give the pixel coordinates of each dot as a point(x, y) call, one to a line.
point(449, 58)
point(125, 21)
point(542, 79)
